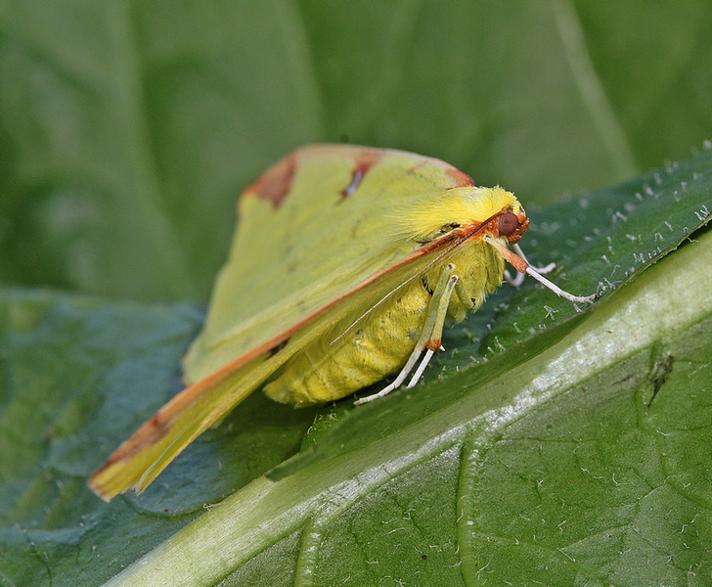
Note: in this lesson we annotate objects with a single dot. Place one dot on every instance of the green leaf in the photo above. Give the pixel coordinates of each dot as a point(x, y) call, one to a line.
point(128, 128)
point(588, 463)
point(545, 445)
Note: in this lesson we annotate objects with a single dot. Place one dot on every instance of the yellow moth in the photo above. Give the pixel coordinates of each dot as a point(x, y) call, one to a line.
point(346, 262)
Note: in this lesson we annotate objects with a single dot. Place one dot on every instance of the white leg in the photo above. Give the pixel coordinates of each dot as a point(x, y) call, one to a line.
point(519, 279)
point(419, 371)
point(557, 290)
point(434, 341)
point(397, 382)
point(430, 336)
point(514, 281)
point(541, 270)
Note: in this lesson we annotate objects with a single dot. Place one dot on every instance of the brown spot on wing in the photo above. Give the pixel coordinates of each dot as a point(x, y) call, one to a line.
point(365, 159)
point(150, 432)
point(274, 184)
point(461, 178)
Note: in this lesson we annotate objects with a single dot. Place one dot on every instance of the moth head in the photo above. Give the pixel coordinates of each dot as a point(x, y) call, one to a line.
point(463, 207)
point(507, 218)
point(512, 225)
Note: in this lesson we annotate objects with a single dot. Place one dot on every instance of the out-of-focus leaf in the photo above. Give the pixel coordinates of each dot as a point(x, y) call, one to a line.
point(128, 128)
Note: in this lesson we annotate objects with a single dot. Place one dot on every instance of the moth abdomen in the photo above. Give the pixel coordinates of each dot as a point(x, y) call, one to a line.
point(323, 371)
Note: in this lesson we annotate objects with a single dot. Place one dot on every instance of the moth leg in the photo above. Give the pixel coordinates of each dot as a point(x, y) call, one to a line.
point(515, 281)
point(523, 267)
point(434, 342)
point(397, 382)
point(428, 337)
point(463, 296)
point(541, 270)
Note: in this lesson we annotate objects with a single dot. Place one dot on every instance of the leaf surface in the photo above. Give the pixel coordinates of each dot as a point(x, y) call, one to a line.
point(541, 445)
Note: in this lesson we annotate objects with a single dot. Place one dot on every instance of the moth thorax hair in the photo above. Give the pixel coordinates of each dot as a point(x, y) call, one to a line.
point(430, 217)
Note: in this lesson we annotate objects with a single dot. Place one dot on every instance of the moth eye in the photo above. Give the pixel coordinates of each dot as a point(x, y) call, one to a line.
point(507, 223)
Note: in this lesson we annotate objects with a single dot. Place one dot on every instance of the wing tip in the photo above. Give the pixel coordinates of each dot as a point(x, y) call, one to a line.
point(104, 488)
point(109, 480)
point(104, 481)
point(98, 490)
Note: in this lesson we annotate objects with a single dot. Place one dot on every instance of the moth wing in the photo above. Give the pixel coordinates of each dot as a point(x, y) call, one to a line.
point(289, 279)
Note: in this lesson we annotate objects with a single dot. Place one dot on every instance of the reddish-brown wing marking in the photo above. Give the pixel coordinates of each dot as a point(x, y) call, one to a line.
point(460, 178)
point(273, 184)
point(365, 159)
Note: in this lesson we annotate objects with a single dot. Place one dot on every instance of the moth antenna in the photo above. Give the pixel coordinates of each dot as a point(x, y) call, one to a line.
point(523, 267)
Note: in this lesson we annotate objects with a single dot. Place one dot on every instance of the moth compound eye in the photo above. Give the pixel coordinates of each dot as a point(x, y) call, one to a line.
point(507, 223)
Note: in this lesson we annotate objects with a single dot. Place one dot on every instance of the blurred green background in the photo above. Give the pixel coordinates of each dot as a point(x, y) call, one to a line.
point(127, 129)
